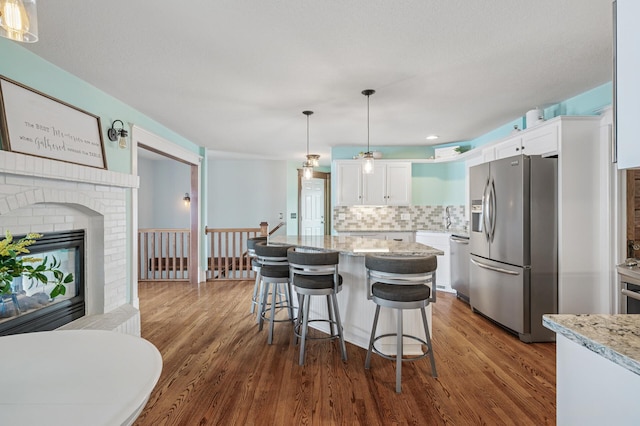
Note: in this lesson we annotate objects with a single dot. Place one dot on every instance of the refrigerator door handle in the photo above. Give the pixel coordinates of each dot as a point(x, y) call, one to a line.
point(492, 197)
point(485, 210)
point(493, 268)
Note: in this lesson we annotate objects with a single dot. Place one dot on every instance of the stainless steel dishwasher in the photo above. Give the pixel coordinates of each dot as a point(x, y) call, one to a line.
point(459, 250)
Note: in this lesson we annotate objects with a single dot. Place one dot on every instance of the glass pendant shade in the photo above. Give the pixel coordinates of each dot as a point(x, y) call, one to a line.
point(312, 159)
point(19, 20)
point(367, 163)
point(307, 170)
point(122, 142)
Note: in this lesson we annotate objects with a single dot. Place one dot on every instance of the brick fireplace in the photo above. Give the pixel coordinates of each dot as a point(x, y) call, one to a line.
point(41, 195)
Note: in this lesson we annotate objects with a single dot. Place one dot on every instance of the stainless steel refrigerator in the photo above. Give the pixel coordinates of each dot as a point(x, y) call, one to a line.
point(514, 243)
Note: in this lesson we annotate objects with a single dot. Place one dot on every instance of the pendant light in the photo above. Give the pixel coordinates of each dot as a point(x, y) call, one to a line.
point(19, 20)
point(307, 166)
point(367, 165)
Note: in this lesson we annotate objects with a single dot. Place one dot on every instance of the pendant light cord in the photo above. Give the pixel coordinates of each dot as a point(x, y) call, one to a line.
point(307, 136)
point(368, 150)
point(367, 93)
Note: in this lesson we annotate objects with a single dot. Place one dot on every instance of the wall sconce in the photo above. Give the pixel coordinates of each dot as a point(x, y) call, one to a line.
point(186, 199)
point(114, 133)
point(19, 20)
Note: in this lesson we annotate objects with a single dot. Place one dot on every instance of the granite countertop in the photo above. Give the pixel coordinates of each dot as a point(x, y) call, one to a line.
point(357, 246)
point(632, 273)
point(457, 231)
point(615, 337)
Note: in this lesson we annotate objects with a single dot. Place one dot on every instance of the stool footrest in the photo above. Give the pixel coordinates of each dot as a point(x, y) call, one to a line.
point(296, 330)
point(394, 357)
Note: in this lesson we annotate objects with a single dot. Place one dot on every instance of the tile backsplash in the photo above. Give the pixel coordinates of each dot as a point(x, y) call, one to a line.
point(397, 218)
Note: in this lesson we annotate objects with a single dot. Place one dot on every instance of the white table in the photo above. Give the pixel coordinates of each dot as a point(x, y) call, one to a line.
point(76, 377)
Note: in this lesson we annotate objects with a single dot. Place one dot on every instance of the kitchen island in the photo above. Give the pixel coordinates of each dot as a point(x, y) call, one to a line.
point(356, 310)
point(597, 368)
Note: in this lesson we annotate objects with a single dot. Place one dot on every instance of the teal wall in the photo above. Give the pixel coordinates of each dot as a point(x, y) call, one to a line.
point(444, 183)
point(23, 66)
point(438, 184)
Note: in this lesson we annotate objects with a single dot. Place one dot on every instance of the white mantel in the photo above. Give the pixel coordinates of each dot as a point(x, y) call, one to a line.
point(42, 195)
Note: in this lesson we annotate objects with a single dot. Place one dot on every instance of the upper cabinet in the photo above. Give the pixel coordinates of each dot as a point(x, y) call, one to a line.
point(627, 82)
point(348, 183)
point(539, 140)
point(389, 184)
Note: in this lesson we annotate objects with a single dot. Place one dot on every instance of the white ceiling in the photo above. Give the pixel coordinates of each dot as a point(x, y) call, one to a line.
point(235, 75)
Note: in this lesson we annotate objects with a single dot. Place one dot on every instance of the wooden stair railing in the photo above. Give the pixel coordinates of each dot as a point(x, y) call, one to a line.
point(163, 254)
point(227, 259)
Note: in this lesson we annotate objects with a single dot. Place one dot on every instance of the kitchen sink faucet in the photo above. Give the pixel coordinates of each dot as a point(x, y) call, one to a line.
point(447, 217)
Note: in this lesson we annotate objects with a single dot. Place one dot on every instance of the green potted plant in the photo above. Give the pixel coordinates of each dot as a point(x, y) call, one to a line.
point(13, 266)
point(462, 149)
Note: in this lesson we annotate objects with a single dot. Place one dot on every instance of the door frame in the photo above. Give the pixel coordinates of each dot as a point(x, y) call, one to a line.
point(144, 139)
point(326, 176)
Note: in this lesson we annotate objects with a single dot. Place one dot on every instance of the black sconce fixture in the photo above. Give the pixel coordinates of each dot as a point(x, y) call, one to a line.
point(186, 199)
point(114, 133)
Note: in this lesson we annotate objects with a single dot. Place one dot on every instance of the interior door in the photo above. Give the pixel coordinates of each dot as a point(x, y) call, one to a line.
point(312, 207)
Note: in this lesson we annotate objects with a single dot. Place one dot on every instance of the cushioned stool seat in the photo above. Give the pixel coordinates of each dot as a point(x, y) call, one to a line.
point(401, 282)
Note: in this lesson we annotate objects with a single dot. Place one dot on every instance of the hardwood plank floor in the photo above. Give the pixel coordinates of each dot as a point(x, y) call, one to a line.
point(218, 369)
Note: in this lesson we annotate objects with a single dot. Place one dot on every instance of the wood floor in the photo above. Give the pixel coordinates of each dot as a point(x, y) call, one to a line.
point(218, 369)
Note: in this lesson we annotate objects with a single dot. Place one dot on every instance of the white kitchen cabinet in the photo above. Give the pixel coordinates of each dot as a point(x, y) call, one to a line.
point(389, 184)
point(508, 148)
point(541, 140)
point(348, 183)
point(627, 83)
point(440, 241)
point(407, 237)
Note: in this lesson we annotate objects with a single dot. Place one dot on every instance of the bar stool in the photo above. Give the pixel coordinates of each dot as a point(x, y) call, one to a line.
point(401, 282)
point(274, 274)
point(315, 273)
point(255, 266)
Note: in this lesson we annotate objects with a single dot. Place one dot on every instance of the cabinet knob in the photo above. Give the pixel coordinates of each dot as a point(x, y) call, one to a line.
point(517, 149)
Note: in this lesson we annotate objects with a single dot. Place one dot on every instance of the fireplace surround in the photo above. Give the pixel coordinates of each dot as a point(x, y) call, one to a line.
point(44, 196)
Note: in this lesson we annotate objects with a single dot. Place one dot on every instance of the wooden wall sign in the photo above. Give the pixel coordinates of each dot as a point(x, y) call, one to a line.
point(36, 124)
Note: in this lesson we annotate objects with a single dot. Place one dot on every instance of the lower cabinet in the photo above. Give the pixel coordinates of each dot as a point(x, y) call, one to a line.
point(440, 241)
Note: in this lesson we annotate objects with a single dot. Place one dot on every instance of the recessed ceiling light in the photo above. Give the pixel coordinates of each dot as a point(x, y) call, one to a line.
point(432, 137)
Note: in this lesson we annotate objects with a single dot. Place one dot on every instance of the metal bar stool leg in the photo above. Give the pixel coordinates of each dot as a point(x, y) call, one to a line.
point(289, 300)
point(263, 304)
point(430, 348)
point(274, 301)
point(343, 346)
point(399, 353)
point(255, 297)
point(367, 362)
point(260, 299)
point(332, 319)
point(298, 322)
point(305, 324)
